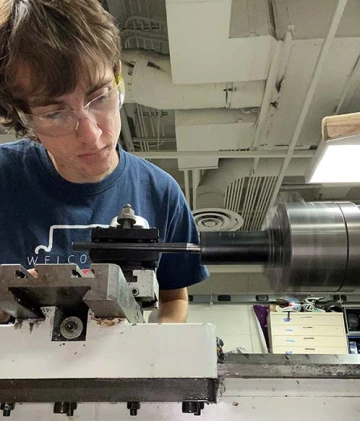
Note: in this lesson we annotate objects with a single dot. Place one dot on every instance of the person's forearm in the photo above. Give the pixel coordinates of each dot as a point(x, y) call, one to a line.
point(4, 317)
point(173, 311)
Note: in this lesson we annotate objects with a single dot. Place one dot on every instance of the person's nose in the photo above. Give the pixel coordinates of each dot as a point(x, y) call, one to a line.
point(88, 131)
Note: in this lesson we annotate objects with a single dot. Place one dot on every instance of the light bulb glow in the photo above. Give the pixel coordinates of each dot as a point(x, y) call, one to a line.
point(336, 163)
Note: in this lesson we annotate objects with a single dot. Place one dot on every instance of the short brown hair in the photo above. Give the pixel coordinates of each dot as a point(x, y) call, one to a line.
point(59, 40)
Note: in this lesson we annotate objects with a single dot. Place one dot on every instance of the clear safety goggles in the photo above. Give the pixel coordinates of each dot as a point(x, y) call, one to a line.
point(101, 110)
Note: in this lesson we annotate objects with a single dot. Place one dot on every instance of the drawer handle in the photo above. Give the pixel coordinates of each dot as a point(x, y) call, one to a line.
point(308, 327)
point(310, 349)
point(310, 338)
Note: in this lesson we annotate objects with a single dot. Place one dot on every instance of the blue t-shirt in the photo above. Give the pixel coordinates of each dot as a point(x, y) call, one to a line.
point(42, 214)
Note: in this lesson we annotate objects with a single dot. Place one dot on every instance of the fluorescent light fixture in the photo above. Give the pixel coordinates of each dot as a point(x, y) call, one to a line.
point(336, 161)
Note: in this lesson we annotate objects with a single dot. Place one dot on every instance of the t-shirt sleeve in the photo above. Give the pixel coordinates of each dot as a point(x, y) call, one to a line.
point(179, 270)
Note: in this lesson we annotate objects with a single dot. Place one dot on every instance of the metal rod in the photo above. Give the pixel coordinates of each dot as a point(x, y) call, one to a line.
point(310, 94)
point(160, 247)
point(235, 247)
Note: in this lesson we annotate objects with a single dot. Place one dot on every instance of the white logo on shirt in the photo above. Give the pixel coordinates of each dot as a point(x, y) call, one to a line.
point(48, 248)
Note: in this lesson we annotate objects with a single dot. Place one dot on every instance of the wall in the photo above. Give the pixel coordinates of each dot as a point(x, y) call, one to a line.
point(232, 282)
point(236, 324)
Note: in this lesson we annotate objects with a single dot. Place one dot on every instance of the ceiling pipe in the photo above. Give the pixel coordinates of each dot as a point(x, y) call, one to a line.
point(326, 45)
point(148, 81)
point(298, 186)
point(222, 154)
point(211, 191)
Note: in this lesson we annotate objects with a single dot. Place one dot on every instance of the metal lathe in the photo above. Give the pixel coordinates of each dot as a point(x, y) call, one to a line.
point(77, 345)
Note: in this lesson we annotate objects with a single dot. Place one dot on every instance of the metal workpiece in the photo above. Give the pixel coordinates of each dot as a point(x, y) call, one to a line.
point(309, 248)
point(351, 214)
point(314, 247)
point(278, 366)
point(305, 247)
point(104, 290)
point(235, 247)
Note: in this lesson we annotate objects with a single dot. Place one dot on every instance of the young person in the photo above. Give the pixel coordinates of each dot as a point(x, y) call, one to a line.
point(61, 90)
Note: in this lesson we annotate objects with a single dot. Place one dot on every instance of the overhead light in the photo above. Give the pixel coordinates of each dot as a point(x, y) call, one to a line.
point(336, 161)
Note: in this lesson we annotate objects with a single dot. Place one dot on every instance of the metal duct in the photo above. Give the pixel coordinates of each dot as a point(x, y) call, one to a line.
point(149, 82)
point(233, 187)
point(219, 40)
point(212, 130)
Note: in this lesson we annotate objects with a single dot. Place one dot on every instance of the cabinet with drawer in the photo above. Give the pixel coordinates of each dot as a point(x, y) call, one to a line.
point(307, 333)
